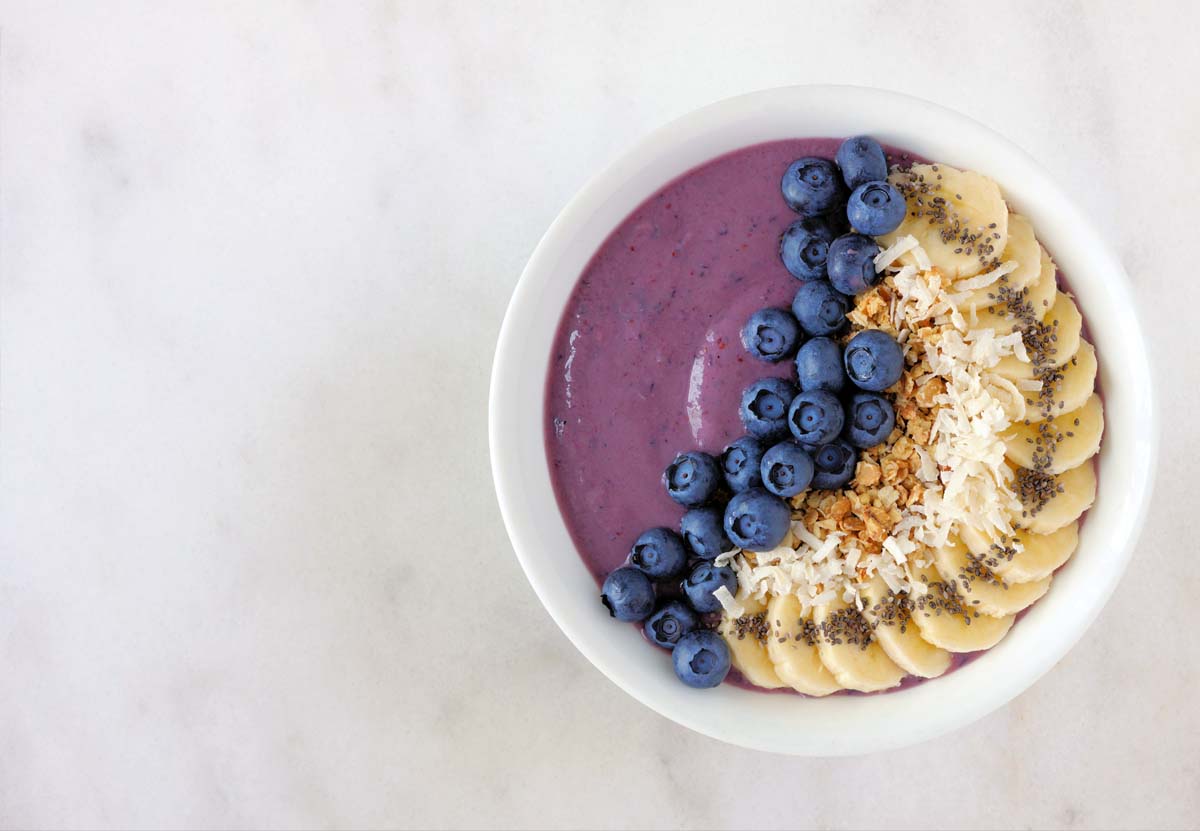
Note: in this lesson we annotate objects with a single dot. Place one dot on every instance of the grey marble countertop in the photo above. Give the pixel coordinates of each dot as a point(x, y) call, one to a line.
point(254, 261)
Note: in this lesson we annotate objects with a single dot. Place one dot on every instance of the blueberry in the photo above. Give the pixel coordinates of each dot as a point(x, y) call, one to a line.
point(740, 462)
point(820, 309)
point(816, 417)
point(771, 335)
point(701, 659)
point(873, 360)
point(835, 463)
point(819, 365)
point(704, 530)
point(852, 264)
point(692, 479)
point(876, 208)
point(628, 594)
point(870, 419)
point(861, 160)
point(812, 186)
point(804, 247)
point(765, 405)
point(757, 520)
point(787, 469)
point(671, 622)
point(705, 579)
point(660, 553)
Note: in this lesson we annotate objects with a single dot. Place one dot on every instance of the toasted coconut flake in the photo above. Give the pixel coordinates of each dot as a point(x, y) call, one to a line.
point(984, 280)
point(965, 450)
point(732, 608)
point(895, 251)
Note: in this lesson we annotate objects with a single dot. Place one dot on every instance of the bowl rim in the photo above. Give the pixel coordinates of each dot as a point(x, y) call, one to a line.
point(838, 732)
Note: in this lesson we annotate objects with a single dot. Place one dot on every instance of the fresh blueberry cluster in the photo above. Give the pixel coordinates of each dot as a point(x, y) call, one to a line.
point(661, 560)
point(835, 409)
point(801, 434)
point(808, 434)
point(842, 204)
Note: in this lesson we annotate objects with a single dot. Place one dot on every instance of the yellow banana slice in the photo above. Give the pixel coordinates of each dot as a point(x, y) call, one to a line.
point(1039, 556)
point(1057, 346)
point(1039, 294)
point(1051, 502)
point(979, 588)
point(855, 666)
point(1024, 250)
point(746, 637)
point(1059, 444)
point(1067, 388)
point(890, 618)
point(945, 622)
point(792, 648)
point(994, 316)
point(965, 206)
point(986, 308)
point(1067, 325)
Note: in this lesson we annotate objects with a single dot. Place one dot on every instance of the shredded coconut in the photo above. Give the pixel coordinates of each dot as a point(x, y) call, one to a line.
point(894, 252)
point(922, 258)
point(977, 405)
point(815, 576)
point(728, 603)
point(984, 280)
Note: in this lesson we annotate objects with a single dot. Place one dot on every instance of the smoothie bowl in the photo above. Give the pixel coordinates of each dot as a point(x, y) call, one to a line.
point(822, 417)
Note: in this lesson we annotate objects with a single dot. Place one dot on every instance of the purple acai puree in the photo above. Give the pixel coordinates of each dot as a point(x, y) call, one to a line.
point(648, 360)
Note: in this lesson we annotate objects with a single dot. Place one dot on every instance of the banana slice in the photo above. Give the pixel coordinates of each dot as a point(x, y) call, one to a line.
point(961, 198)
point(978, 586)
point(986, 303)
point(866, 669)
point(1023, 248)
point(990, 316)
point(944, 621)
point(1014, 369)
point(1064, 316)
point(796, 661)
point(1079, 430)
point(891, 620)
point(1069, 391)
point(1040, 557)
point(747, 651)
point(1078, 492)
point(1063, 347)
point(1039, 294)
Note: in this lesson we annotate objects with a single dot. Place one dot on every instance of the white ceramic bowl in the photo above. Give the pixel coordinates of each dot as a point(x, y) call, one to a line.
point(839, 724)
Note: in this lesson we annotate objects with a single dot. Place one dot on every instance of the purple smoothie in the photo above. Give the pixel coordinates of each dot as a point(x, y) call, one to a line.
point(648, 360)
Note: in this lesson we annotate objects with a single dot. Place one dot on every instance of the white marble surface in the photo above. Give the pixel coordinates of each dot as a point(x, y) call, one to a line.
point(254, 260)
